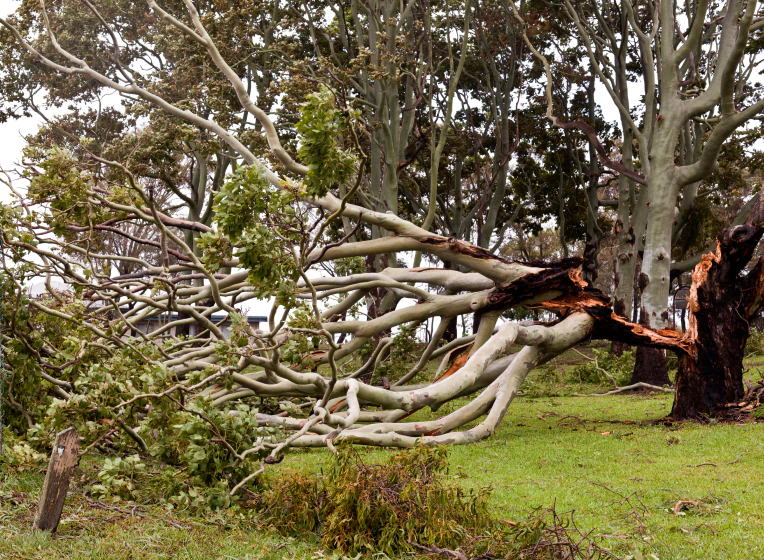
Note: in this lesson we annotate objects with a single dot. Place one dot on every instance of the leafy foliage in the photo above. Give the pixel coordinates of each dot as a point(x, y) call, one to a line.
point(194, 468)
point(754, 346)
point(191, 447)
point(215, 248)
point(18, 454)
point(321, 127)
point(398, 361)
point(363, 508)
point(262, 222)
point(406, 505)
point(620, 367)
point(64, 187)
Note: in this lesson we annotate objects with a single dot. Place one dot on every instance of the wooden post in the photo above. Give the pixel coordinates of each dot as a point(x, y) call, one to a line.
point(62, 462)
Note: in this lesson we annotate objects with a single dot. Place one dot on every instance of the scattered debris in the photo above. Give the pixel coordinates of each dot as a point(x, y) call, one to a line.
point(682, 504)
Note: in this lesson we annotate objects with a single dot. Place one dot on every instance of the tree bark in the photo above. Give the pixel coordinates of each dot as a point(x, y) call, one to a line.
point(649, 363)
point(377, 304)
point(617, 348)
point(654, 280)
point(722, 302)
point(452, 329)
point(650, 367)
point(476, 317)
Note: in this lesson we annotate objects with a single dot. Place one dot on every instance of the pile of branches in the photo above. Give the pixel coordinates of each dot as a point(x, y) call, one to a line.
point(746, 408)
point(406, 506)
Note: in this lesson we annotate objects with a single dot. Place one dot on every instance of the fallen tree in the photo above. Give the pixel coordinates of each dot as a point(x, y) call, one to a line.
point(269, 236)
point(694, 62)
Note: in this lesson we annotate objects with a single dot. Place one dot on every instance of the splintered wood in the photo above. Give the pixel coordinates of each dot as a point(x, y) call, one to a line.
point(63, 459)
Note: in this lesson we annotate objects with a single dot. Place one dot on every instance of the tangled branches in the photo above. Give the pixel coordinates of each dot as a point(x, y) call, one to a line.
point(131, 256)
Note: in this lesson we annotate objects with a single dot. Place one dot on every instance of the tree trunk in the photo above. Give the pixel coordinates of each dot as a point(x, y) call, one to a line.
point(617, 347)
point(721, 304)
point(476, 317)
point(378, 302)
point(654, 280)
point(712, 377)
point(650, 363)
point(593, 232)
point(650, 367)
point(451, 330)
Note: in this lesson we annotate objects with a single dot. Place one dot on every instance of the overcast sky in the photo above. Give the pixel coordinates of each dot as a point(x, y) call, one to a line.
point(10, 132)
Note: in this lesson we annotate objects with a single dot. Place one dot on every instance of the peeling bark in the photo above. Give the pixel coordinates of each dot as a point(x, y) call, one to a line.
point(722, 302)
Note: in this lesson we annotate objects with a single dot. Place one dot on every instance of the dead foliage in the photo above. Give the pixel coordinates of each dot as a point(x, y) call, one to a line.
point(406, 506)
point(749, 406)
point(550, 535)
point(359, 507)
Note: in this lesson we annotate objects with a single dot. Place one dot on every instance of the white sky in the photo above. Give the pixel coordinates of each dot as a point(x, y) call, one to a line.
point(11, 142)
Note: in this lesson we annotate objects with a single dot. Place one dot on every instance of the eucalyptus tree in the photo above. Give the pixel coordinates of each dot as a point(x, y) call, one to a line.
point(503, 164)
point(697, 62)
point(437, 89)
point(181, 160)
point(285, 209)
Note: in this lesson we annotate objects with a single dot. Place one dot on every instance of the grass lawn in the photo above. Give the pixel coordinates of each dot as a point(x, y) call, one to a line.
point(604, 457)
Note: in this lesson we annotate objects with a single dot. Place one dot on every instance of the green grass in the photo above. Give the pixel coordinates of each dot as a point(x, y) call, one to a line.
point(622, 470)
point(86, 531)
point(624, 479)
point(610, 459)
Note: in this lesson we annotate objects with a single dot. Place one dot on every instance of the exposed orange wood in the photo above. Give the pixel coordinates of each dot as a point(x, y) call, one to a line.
point(458, 363)
point(598, 307)
point(456, 366)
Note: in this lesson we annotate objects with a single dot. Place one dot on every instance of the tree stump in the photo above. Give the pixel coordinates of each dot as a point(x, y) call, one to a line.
point(63, 459)
point(723, 299)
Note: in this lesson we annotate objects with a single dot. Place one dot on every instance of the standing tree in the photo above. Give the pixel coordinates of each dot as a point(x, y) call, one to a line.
point(698, 63)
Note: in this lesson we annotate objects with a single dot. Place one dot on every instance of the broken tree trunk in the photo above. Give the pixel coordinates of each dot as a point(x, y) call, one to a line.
point(63, 459)
point(722, 301)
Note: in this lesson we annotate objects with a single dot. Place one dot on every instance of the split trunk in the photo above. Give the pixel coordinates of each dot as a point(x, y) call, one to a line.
point(724, 297)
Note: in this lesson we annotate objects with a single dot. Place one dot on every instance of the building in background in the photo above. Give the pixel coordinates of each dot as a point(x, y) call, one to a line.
point(150, 324)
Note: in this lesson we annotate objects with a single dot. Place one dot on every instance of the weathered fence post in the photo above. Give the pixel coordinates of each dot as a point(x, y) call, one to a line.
point(62, 462)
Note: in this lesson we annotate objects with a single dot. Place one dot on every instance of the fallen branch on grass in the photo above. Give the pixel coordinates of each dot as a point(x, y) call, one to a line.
point(627, 388)
point(708, 464)
point(597, 367)
point(440, 551)
point(132, 512)
point(681, 504)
